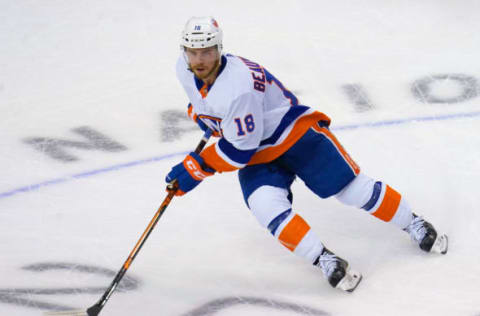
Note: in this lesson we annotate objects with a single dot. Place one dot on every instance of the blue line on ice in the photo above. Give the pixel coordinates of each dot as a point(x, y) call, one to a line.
point(91, 173)
point(86, 174)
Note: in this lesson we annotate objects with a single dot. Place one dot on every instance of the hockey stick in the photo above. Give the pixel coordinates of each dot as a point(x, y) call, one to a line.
point(97, 307)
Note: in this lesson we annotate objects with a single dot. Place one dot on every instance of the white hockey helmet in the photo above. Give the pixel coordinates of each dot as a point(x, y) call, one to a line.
point(202, 32)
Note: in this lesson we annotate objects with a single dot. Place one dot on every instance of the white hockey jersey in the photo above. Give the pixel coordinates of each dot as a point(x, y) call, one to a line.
point(255, 116)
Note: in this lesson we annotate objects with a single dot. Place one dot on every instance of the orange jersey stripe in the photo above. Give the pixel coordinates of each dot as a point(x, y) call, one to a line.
point(389, 205)
point(268, 154)
point(213, 160)
point(293, 233)
point(343, 152)
point(299, 129)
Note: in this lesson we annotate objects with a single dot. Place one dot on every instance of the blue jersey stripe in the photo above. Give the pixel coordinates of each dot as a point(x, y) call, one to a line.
point(236, 155)
point(293, 113)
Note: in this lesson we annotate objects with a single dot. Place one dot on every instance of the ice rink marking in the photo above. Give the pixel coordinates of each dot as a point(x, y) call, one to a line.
point(95, 172)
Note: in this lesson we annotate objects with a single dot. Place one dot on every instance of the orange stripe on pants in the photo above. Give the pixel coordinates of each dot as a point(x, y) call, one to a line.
point(389, 205)
point(341, 150)
point(293, 233)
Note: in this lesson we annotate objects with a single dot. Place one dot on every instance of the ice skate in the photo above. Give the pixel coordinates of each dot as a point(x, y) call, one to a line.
point(423, 233)
point(336, 270)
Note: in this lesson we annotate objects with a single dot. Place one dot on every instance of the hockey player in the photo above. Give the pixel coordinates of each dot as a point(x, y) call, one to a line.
point(271, 139)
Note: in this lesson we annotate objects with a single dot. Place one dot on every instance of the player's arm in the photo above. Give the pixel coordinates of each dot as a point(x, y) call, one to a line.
point(192, 170)
point(191, 113)
point(242, 130)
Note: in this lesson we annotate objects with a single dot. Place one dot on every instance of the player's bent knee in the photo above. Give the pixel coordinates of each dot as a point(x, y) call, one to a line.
point(358, 192)
point(267, 202)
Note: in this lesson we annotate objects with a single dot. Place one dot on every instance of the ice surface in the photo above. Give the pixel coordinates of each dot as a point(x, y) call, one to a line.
point(108, 66)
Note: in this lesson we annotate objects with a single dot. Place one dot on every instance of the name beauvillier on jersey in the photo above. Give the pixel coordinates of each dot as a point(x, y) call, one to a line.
point(271, 139)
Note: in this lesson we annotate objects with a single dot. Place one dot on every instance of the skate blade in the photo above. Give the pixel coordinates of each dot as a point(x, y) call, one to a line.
point(441, 244)
point(77, 312)
point(350, 281)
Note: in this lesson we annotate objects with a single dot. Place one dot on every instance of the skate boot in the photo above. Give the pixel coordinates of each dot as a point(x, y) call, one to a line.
point(423, 233)
point(337, 272)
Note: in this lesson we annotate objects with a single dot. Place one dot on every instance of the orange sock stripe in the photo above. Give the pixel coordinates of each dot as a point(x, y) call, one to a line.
point(389, 205)
point(343, 152)
point(293, 233)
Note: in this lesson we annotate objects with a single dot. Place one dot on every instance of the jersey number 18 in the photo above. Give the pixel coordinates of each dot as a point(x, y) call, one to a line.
point(247, 125)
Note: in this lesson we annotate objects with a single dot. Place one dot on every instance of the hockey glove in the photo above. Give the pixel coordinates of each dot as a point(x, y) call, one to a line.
point(188, 174)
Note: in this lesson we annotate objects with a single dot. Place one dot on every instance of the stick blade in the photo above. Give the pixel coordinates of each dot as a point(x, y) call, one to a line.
point(77, 312)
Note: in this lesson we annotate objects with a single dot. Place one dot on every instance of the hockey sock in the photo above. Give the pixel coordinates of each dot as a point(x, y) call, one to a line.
point(293, 232)
point(378, 199)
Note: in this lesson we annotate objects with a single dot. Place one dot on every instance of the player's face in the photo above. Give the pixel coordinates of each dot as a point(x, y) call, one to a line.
point(203, 61)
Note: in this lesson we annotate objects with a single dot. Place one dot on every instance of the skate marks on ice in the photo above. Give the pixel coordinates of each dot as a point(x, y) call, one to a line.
point(25, 296)
point(215, 306)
